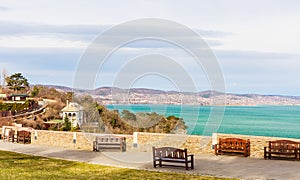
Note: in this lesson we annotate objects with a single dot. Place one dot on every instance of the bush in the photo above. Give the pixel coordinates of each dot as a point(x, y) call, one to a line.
point(67, 124)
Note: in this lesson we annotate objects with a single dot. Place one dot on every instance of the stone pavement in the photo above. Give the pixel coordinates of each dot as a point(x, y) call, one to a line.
point(220, 166)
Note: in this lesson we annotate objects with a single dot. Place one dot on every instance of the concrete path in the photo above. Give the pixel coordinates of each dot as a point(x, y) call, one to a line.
point(221, 166)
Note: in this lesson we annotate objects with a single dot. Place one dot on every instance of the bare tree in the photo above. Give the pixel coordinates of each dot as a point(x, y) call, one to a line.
point(4, 76)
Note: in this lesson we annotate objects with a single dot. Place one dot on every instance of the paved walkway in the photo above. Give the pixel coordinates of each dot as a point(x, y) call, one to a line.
point(221, 166)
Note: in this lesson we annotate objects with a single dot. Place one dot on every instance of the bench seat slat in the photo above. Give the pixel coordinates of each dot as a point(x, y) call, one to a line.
point(173, 160)
point(110, 147)
point(108, 143)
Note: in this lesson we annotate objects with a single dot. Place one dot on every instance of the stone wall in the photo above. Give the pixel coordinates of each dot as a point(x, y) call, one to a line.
point(201, 144)
point(143, 142)
point(70, 140)
point(194, 144)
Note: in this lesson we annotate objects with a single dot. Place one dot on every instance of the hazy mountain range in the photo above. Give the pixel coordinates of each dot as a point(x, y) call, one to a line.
point(113, 95)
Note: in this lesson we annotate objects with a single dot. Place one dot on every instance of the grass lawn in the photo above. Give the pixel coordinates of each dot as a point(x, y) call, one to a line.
point(21, 166)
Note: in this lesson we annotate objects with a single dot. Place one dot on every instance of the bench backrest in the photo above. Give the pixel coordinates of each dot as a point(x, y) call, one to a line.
point(11, 133)
point(234, 142)
point(169, 152)
point(24, 133)
point(281, 145)
point(6, 131)
point(115, 139)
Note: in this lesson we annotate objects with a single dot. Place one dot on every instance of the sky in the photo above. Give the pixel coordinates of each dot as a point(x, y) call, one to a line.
point(256, 43)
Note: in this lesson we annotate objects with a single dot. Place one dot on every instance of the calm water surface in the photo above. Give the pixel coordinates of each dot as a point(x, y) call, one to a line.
point(278, 121)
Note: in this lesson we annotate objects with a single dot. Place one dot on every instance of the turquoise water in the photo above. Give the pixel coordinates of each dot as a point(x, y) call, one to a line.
point(278, 121)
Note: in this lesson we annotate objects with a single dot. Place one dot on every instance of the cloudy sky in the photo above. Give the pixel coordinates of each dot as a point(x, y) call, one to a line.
point(256, 43)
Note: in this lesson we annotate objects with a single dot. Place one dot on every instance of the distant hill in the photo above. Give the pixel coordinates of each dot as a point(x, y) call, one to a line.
point(114, 95)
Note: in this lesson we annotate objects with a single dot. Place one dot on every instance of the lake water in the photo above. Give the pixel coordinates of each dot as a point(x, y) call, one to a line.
point(277, 121)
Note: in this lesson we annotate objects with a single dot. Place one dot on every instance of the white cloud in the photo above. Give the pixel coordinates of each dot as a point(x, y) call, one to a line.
point(39, 42)
point(2, 8)
point(283, 39)
point(249, 37)
point(45, 35)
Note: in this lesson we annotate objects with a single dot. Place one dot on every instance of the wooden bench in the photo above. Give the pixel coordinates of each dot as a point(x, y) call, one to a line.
point(9, 135)
point(172, 155)
point(282, 149)
point(24, 136)
point(109, 143)
point(234, 146)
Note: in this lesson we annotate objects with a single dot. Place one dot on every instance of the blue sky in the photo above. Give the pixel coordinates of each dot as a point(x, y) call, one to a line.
point(257, 43)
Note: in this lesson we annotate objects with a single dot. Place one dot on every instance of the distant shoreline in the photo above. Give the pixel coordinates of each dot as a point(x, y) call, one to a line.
point(114, 95)
point(207, 105)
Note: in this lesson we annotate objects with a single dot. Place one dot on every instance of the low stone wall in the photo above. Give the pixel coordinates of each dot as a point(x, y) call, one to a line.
point(143, 142)
point(194, 144)
point(70, 140)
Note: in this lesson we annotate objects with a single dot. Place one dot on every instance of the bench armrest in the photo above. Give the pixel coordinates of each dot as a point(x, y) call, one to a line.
point(191, 156)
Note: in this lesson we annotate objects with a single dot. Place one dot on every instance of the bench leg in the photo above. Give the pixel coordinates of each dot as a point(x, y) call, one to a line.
point(160, 163)
point(192, 162)
point(154, 164)
point(268, 155)
point(265, 152)
point(124, 147)
point(246, 152)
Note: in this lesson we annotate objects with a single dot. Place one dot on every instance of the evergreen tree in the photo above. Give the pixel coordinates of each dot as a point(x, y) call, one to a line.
point(17, 82)
point(67, 124)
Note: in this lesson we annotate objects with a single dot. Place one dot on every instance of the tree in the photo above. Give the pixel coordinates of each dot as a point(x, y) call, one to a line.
point(17, 82)
point(127, 115)
point(69, 96)
point(35, 91)
point(4, 76)
point(67, 124)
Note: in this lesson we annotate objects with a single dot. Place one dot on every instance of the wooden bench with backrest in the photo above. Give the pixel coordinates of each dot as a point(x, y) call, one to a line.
point(282, 149)
point(24, 136)
point(12, 136)
point(172, 156)
point(234, 146)
point(109, 143)
point(9, 135)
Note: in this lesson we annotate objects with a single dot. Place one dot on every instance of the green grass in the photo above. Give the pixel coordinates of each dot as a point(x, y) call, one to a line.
point(21, 166)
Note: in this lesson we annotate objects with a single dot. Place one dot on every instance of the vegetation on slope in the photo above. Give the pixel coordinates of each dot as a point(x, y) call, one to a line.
point(100, 119)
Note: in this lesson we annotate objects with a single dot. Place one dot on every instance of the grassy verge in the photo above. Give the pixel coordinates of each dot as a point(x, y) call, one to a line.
point(21, 166)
